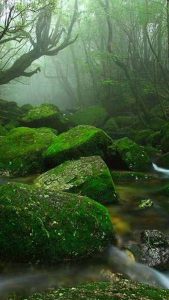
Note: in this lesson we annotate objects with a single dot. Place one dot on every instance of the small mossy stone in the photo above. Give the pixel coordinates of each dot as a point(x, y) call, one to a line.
point(45, 226)
point(21, 150)
point(77, 142)
point(88, 176)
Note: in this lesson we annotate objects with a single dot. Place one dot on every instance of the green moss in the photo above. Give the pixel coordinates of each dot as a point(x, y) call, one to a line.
point(45, 226)
point(133, 155)
point(88, 176)
point(21, 150)
point(122, 289)
point(42, 111)
point(77, 142)
point(92, 115)
point(45, 115)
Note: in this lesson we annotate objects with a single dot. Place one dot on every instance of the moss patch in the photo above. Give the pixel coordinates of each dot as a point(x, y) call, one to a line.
point(21, 150)
point(45, 226)
point(88, 176)
point(45, 115)
point(77, 142)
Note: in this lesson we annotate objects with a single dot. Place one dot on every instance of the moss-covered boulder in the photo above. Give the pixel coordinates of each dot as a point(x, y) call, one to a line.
point(93, 115)
point(128, 155)
point(45, 226)
point(117, 289)
point(21, 150)
point(45, 115)
point(88, 176)
point(77, 142)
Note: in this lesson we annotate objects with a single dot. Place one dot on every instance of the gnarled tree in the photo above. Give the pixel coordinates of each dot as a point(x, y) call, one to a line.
point(45, 39)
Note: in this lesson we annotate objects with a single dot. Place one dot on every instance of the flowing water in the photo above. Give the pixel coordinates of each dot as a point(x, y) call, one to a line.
point(127, 218)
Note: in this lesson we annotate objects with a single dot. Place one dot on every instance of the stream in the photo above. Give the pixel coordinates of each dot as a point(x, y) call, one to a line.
point(128, 220)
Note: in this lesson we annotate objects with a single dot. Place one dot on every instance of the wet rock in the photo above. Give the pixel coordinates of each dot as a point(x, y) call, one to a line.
point(152, 249)
point(45, 115)
point(155, 249)
point(46, 226)
point(77, 142)
point(21, 150)
point(88, 176)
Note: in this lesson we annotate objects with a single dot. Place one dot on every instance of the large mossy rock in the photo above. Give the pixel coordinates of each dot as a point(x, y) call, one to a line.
point(45, 115)
point(88, 176)
point(77, 142)
point(21, 150)
point(45, 226)
point(9, 111)
point(117, 289)
point(127, 155)
point(93, 115)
